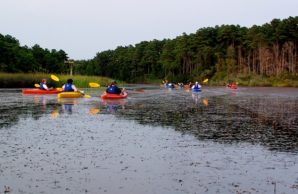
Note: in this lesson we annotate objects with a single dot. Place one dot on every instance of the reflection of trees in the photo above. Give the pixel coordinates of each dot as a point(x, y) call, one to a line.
point(11, 115)
point(270, 122)
point(11, 112)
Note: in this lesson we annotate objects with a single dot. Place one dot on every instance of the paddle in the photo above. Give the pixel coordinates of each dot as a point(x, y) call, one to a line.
point(205, 81)
point(94, 85)
point(55, 78)
point(85, 95)
point(37, 85)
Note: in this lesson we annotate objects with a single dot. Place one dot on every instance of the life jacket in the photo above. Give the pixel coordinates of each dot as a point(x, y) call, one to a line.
point(196, 87)
point(41, 86)
point(169, 85)
point(113, 89)
point(68, 87)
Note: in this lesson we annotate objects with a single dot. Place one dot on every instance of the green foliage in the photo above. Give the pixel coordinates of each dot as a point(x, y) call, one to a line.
point(220, 53)
point(15, 58)
point(252, 55)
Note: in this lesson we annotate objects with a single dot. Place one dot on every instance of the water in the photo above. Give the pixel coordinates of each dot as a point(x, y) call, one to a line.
point(156, 141)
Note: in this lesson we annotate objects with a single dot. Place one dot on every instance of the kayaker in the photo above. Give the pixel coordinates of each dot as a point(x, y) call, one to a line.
point(233, 85)
point(113, 88)
point(169, 85)
point(69, 87)
point(180, 85)
point(43, 85)
point(197, 86)
point(166, 83)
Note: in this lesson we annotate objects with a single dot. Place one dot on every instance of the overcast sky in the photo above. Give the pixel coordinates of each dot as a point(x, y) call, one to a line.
point(84, 27)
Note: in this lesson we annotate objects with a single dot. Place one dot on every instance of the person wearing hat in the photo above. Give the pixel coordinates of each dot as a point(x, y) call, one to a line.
point(113, 88)
point(69, 87)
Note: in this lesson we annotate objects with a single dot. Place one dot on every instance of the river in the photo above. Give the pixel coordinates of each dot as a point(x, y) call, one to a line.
point(157, 140)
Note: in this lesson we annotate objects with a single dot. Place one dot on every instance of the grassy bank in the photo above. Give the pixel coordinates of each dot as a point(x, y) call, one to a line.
point(255, 80)
point(244, 81)
point(27, 80)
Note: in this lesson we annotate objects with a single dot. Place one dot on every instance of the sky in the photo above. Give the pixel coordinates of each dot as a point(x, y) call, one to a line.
point(83, 28)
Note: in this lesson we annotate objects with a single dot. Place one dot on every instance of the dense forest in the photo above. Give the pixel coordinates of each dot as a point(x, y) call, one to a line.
point(220, 53)
point(15, 58)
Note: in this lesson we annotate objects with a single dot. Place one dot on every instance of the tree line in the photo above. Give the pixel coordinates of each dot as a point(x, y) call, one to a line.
point(220, 52)
point(15, 58)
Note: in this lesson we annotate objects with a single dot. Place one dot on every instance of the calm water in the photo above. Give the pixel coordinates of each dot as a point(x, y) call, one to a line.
point(155, 141)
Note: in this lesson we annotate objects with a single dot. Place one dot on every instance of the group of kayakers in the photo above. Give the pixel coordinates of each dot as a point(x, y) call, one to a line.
point(194, 86)
point(190, 85)
point(70, 87)
point(67, 87)
point(114, 89)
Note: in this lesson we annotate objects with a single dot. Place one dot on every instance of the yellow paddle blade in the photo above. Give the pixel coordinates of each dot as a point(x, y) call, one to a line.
point(87, 96)
point(205, 81)
point(37, 85)
point(55, 78)
point(94, 85)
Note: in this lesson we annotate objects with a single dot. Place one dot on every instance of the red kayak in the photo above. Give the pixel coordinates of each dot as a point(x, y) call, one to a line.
point(113, 96)
point(39, 91)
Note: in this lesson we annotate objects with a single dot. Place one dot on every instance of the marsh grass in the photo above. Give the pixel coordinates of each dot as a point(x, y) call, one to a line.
point(257, 80)
point(27, 80)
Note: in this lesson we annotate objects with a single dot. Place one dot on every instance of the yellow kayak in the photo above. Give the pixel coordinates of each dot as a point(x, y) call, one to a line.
point(70, 95)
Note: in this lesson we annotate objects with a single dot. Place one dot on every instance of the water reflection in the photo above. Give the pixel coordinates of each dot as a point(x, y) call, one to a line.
point(55, 114)
point(67, 104)
point(94, 110)
point(112, 106)
point(210, 115)
point(270, 121)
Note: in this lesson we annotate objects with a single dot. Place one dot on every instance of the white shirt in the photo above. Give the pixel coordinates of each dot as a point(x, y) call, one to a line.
point(45, 87)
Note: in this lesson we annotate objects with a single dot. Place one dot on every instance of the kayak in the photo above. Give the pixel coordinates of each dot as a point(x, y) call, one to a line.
point(70, 95)
point(106, 95)
point(39, 91)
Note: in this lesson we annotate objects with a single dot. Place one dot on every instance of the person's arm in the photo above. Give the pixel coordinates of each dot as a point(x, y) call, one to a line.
point(74, 88)
point(45, 86)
